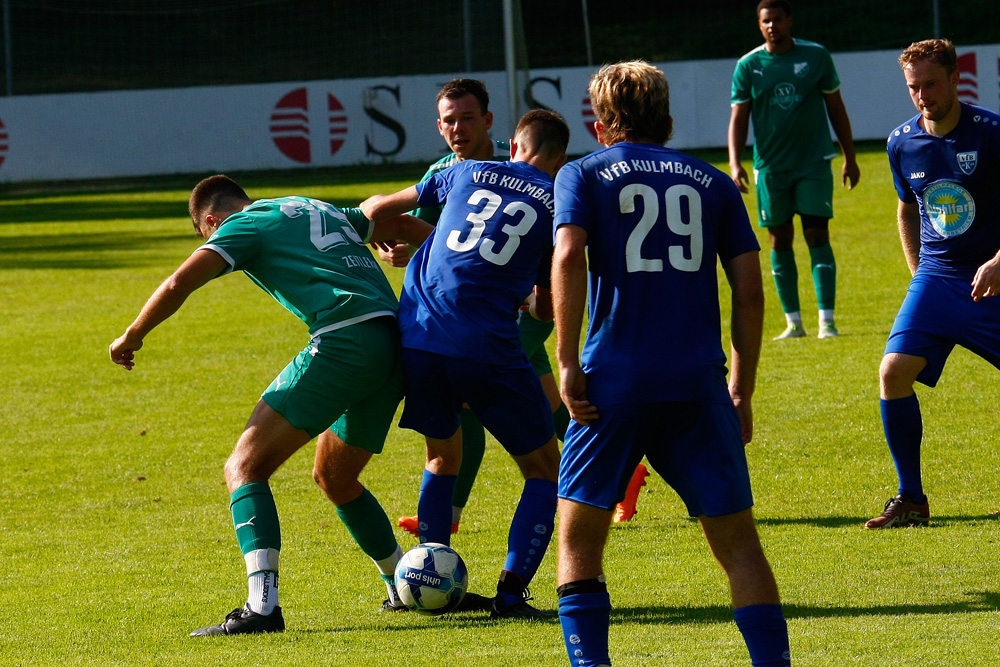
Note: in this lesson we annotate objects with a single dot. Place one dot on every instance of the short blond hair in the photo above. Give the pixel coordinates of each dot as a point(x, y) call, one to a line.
point(938, 51)
point(632, 100)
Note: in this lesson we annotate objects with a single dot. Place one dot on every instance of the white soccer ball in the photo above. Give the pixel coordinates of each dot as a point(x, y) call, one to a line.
point(431, 578)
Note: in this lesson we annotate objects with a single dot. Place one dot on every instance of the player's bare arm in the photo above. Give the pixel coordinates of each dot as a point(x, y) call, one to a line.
point(739, 126)
point(409, 229)
point(987, 280)
point(908, 219)
point(380, 207)
point(835, 109)
point(540, 304)
point(569, 298)
point(746, 329)
point(196, 271)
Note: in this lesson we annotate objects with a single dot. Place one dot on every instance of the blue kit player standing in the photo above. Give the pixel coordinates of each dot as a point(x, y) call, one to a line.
point(654, 223)
point(344, 387)
point(461, 344)
point(464, 122)
point(946, 165)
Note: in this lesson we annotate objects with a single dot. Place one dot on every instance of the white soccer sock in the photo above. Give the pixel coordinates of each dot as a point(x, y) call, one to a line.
point(826, 316)
point(263, 597)
point(387, 566)
point(794, 319)
point(456, 513)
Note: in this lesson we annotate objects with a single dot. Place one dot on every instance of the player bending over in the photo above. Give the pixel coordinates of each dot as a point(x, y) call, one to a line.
point(343, 387)
point(652, 222)
point(458, 315)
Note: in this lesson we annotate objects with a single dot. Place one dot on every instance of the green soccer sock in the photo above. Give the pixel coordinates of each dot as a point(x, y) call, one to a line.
point(786, 279)
point(369, 526)
point(824, 270)
point(255, 519)
point(473, 450)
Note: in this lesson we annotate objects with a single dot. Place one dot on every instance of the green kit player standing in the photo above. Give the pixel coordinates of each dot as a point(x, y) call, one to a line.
point(789, 87)
point(343, 387)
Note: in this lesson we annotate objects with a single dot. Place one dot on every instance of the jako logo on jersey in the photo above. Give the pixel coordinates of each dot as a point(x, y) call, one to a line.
point(589, 117)
point(967, 162)
point(4, 142)
point(290, 125)
point(968, 78)
point(917, 174)
point(800, 69)
point(950, 208)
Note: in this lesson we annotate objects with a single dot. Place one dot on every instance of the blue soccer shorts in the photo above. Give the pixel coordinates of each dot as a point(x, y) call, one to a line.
point(939, 313)
point(507, 399)
point(696, 446)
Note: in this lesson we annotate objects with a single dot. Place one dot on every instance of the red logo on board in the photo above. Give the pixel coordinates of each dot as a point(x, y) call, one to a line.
point(589, 117)
point(4, 142)
point(290, 128)
point(968, 78)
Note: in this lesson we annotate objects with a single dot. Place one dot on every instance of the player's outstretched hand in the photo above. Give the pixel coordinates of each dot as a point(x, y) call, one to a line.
point(987, 280)
point(123, 350)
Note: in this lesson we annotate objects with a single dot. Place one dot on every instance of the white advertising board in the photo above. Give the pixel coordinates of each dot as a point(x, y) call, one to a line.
point(370, 121)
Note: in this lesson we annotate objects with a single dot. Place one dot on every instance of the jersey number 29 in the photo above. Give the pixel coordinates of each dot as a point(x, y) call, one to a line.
point(673, 199)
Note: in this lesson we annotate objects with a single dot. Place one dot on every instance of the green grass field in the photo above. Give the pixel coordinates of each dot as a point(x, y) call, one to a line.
point(114, 522)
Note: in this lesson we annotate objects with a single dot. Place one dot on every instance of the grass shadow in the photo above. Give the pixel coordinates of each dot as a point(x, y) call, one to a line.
point(859, 521)
point(976, 601)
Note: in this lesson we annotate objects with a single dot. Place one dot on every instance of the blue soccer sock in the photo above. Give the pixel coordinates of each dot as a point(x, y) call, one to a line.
point(766, 634)
point(434, 507)
point(904, 430)
point(585, 618)
point(530, 534)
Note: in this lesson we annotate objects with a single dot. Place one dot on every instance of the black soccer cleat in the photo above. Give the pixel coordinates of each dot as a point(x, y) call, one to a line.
point(520, 610)
point(242, 621)
point(474, 602)
point(387, 605)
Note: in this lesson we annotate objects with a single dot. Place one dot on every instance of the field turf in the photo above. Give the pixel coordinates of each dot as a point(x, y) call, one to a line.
point(115, 535)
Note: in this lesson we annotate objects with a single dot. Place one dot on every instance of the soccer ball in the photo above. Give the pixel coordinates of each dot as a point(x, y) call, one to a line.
point(431, 578)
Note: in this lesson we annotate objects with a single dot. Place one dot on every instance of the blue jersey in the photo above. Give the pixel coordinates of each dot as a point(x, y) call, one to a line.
point(954, 180)
point(463, 289)
point(656, 219)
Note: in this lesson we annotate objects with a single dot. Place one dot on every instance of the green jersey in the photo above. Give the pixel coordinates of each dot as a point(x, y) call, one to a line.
point(311, 257)
point(430, 214)
point(785, 92)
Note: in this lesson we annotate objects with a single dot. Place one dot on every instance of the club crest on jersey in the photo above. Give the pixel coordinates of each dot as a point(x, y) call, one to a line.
point(949, 207)
point(967, 162)
point(800, 69)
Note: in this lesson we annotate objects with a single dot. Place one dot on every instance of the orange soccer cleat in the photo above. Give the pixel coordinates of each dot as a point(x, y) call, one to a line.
point(411, 524)
point(625, 510)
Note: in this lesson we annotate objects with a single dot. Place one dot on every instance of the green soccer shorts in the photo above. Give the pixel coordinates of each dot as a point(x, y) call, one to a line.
point(807, 191)
point(349, 380)
point(534, 333)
